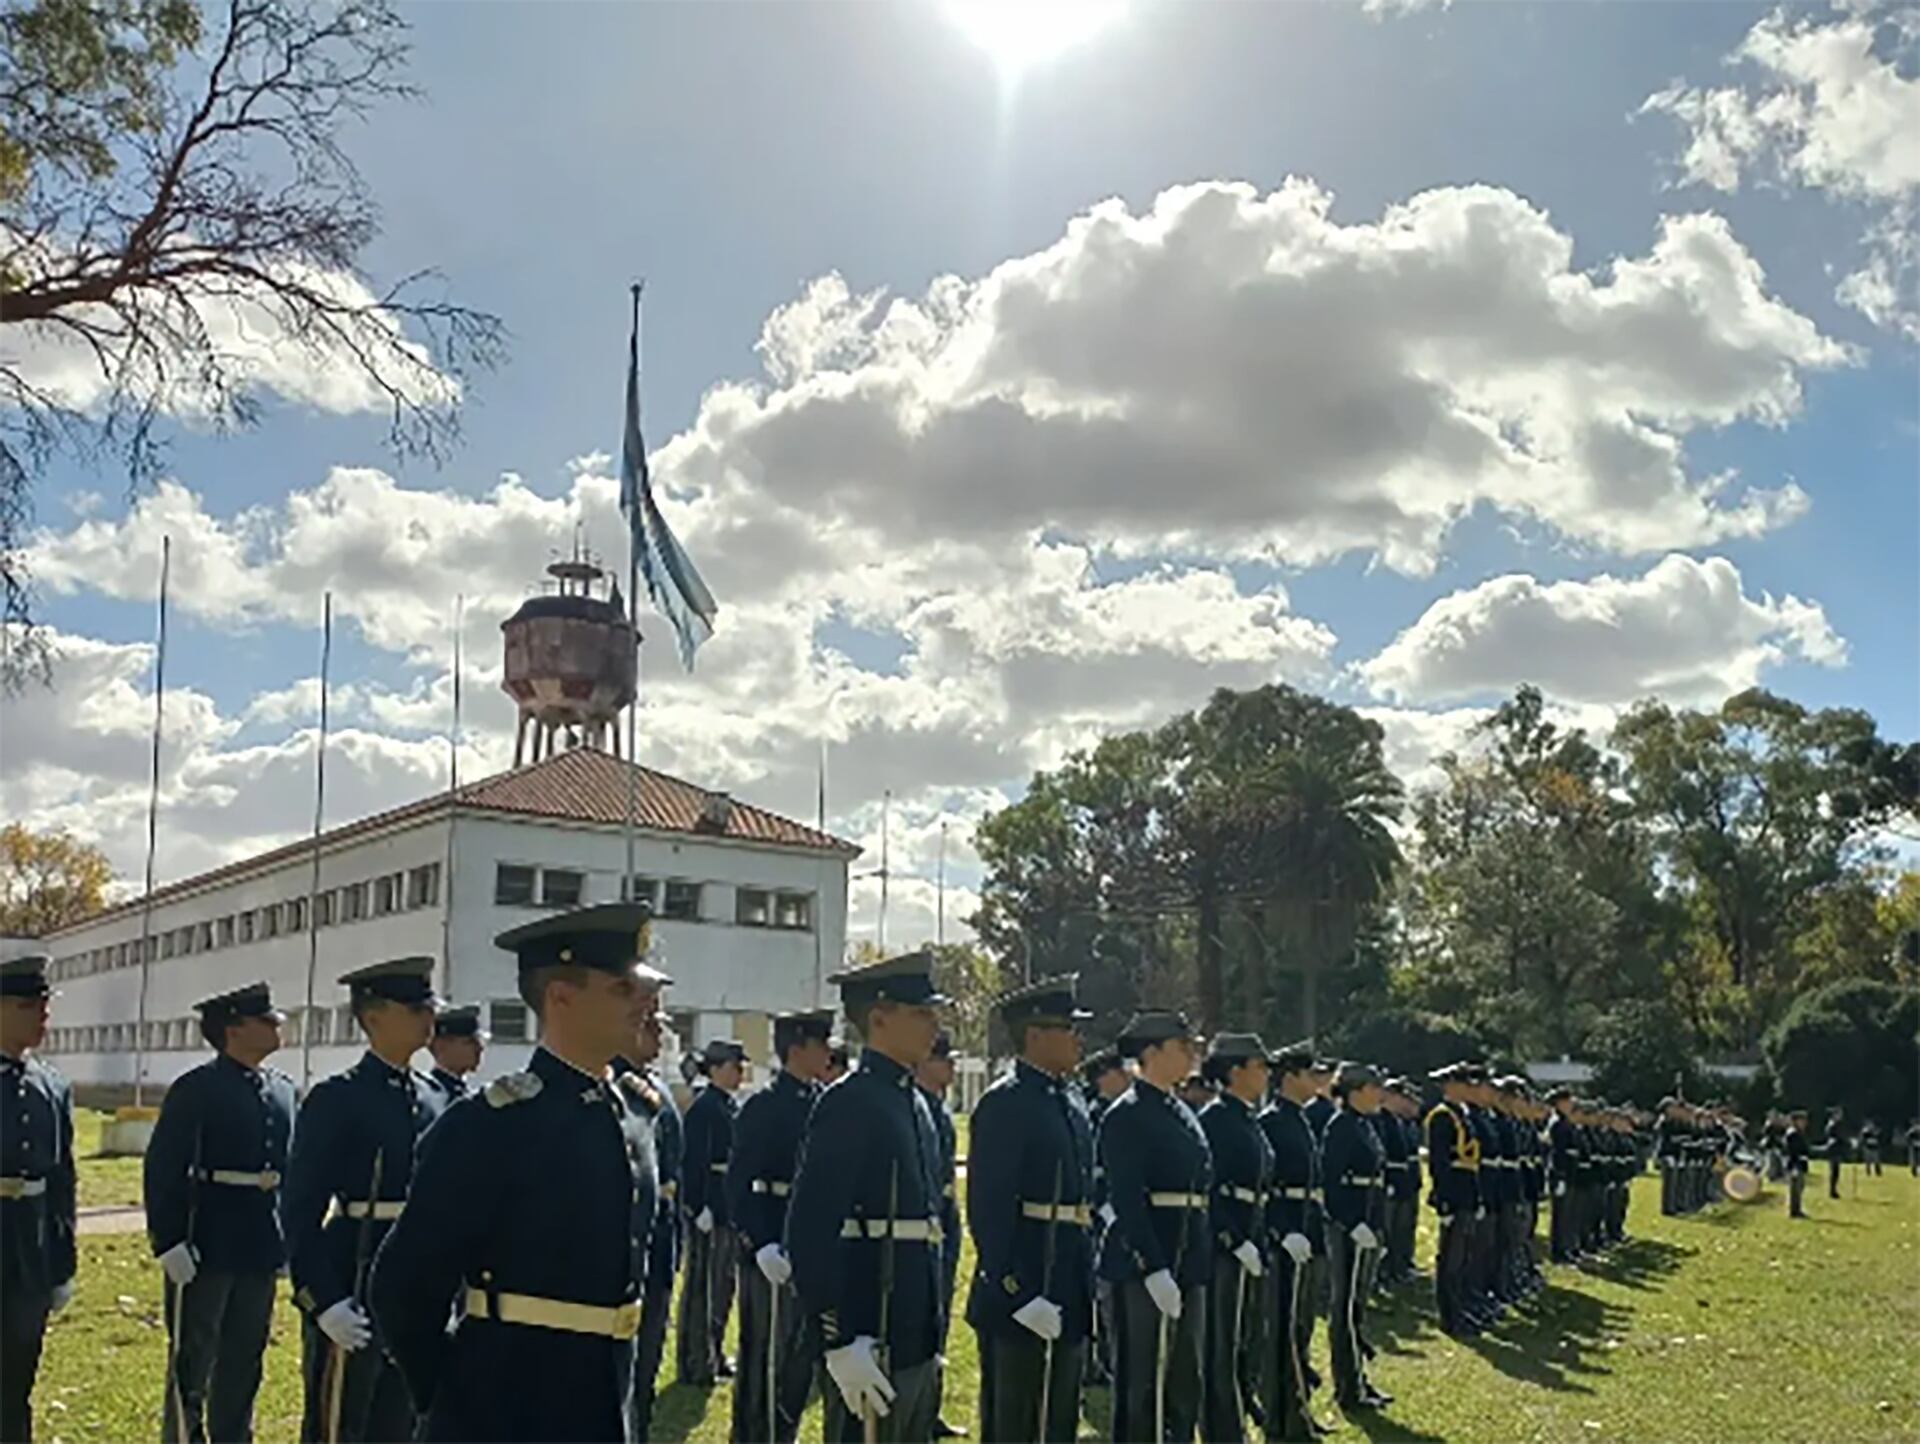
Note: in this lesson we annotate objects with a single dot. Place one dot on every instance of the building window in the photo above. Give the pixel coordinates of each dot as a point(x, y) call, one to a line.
point(560, 888)
point(752, 907)
point(246, 927)
point(508, 1022)
point(184, 944)
point(513, 885)
point(793, 910)
point(383, 891)
point(296, 915)
point(644, 889)
point(226, 931)
point(270, 921)
point(323, 910)
point(166, 945)
point(206, 937)
point(316, 1020)
point(344, 1028)
point(423, 886)
point(683, 900)
point(353, 902)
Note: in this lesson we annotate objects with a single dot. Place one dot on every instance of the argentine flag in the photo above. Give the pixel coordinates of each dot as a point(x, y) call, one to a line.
point(672, 580)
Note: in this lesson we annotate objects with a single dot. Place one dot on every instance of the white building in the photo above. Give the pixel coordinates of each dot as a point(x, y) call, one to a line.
point(751, 909)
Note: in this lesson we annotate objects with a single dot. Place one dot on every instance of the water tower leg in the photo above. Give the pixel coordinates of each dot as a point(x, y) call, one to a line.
point(520, 740)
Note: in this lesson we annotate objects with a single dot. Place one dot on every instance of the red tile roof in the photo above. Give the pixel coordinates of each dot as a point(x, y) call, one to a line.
point(583, 785)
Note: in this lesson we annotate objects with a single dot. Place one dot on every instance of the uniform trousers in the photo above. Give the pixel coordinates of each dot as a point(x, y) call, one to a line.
point(1450, 1269)
point(774, 1347)
point(706, 1303)
point(1013, 1361)
point(1351, 1267)
point(1796, 1191)
point(1158, 1362)
point(649, 1348)
point(23, 1324)
point(909, 1418)
point(1284, 1387)
point(375, 1407)
point(1833, 1173)
point(220, 1323)
point(1232, 1299)
point(1403, 1219)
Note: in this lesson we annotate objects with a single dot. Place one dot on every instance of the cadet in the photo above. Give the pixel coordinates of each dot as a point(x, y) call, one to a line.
point(1563, 1167)
point(1794, 1145)
point(1453, 1165)
point(1105, 1077)
point(348, 1177)
point(1237, 1069)
point(459, 1042)
point(838, 1064)
point(706, 1300)
point(776, 1357)
point(1029, 1186)
point(1295, 1223)
point(661, 1235)
point(1354, 1165)
point(863, 1225)
point(1666, 1135)
point(934, 1077)
point(1870, 1146)
point(212, 1189)
point(1155, 1252)
point(655, 1233)
point(1403, 1180)
point(527, 1209)
point(36, 1189)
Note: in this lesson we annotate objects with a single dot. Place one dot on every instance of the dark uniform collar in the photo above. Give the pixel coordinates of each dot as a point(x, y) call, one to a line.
point(237, 1066)
point(786, 1080)
point(1144, 1089)
point(1233, 1102)
point(873, 1061)
point(555, 1069)
point(374, 1066)
point(1030, 1074)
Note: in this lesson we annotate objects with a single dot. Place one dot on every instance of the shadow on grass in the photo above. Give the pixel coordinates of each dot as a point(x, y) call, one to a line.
point(677, 1412)
point(1096, 1408)
point(1641, 1263)
point(1389, 1430)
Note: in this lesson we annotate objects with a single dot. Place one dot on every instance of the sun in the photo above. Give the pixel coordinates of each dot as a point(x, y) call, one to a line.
point(1018, 34)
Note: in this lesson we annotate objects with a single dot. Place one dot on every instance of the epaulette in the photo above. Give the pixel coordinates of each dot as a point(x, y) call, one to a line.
point(639, 1088)
point(513, 1088)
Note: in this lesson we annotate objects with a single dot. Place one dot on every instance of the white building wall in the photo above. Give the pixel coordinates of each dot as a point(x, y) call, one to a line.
point(727, 976)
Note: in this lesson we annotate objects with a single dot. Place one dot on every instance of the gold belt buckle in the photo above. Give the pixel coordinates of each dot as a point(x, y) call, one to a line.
point(269, 1179)
point(626, 1320)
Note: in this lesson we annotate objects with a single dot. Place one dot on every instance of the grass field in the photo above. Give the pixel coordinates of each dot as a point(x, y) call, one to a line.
point(1733, 1324)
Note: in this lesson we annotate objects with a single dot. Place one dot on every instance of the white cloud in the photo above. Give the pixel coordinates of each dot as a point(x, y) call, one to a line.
point(1685, 630)
point(1831, 104)
point(1240, 375)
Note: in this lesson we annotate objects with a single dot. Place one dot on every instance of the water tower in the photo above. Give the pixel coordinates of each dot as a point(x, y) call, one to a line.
point(571, 664)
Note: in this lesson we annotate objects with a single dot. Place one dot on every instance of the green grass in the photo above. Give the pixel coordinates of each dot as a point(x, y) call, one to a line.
point(102, 1180)
point(1735, 1324)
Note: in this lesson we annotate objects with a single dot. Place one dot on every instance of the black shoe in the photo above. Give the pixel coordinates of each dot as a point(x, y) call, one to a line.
point(1313, 1376)
point(724, 1368)
point(943, 1430)
point(1366, 1351)
point(1378, 1398)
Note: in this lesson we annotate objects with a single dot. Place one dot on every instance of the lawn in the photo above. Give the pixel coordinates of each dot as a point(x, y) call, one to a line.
point(1735, 1324)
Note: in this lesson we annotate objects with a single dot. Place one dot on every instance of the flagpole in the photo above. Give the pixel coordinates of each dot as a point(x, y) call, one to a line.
point(453, 807)
point(633, 619)
point(886, 810)
point(319, 811)
point(153, 828)
point(940, 914)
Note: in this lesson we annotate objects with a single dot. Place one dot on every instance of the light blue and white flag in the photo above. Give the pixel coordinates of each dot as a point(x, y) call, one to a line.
point(673, 582)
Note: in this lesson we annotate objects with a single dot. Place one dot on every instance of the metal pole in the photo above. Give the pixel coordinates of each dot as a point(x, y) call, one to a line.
point(453, 808)
point(633, 619)
point(886, 813)
point(319, 811)
point(940, 889)
point(153, 830)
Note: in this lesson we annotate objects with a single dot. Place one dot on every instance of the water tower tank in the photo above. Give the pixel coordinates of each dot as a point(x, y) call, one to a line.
point(570, 666)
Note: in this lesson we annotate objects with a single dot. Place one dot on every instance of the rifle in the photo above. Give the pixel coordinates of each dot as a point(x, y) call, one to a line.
point(1046, 1282)
point(336, 1356)
point(870, 1421)
point(176, 1395)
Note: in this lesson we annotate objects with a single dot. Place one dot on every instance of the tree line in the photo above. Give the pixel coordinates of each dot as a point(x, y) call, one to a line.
point(1682, 889)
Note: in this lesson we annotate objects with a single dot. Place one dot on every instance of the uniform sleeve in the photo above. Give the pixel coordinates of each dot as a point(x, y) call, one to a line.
point(993, 1199)
point(823, 1192)
point(450, 1212)
point(166, 1183)
point(750, 1212)
point(62, 1189)
point(1125, 1158)
point(305, 1194)
point(949, 1191)
point(696, 1172)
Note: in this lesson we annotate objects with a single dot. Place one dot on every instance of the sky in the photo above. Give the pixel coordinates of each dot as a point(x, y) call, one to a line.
point(1404, 352)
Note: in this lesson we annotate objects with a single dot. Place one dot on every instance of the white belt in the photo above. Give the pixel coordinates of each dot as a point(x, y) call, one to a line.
point(1391, 1165)
point(621, 1321)
point(263, 1180)
point(22, 1187)
point(718, 1167)
point(906, 1230)
point(379, 1208)
point(1371, 1180)
point(1298, 1194)
point(778, 1187)
point(1245, 1195)
point(1177, 1200)
point(1080, 1213)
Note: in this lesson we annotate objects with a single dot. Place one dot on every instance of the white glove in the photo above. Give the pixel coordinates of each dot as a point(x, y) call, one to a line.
point(180, 1264)
point(1298, 1248)
point(346, 1325)
point(1249, 1257)
point(1480, 1213)
point(856, 1373)
point(1365, 1236)
point(1040, 1316)
point(1165, 1293)
point(1107, 1215)
point(62, 1296)
point(703, 1220)
point(774, 1263)
point(1560, 1189)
